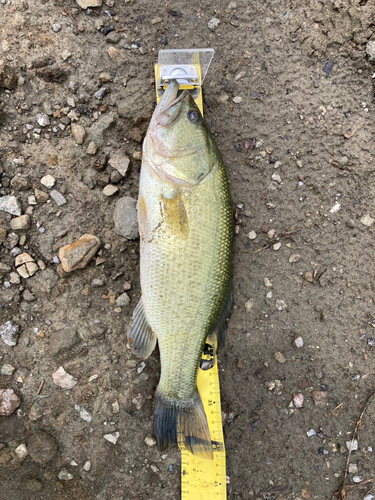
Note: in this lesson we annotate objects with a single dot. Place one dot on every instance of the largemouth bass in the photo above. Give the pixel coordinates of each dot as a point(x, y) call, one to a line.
point(186, 227)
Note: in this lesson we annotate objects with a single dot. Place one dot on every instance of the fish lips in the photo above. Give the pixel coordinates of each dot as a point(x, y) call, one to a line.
point(167, 111)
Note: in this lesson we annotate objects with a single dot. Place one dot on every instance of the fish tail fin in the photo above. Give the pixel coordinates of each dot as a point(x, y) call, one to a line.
point(182, 422)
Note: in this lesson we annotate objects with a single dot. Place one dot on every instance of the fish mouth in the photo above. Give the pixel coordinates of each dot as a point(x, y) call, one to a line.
point(164, 114)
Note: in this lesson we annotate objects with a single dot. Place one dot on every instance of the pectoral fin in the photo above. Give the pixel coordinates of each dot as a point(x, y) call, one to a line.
point(174, 215)
point(140, 335)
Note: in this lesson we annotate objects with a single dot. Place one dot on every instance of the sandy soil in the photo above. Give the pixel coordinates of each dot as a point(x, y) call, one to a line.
point(299, 151)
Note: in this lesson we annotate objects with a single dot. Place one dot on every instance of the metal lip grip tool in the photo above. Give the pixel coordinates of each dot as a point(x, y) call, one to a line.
point(200, 479)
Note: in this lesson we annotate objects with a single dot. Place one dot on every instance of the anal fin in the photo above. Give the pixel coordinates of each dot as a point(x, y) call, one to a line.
point(218, 332)
point(140, 335)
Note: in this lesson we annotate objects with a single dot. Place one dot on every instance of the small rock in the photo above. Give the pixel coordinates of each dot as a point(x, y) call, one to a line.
point(298, 341)
point(125, 218)
point(350, 223)
point(63, 340)
point(112, 438)
point(249, 305)
point(9, 402)
point(28, 296)
point(115, 407)
point(239, 75)
point(279, 357)
point(357, 479)
point(213, 24)
point(367, 220)
point(101, 92)
point(110, 190)
point(85, 4)
point(41, 196)
point(150, 441)
point(42, 120)
point(83, 413)
point(25, 265)
point(96, 282)
point(11, 241)
point(276, 177)
point(7, 369)
point(3, 235)
point(113, 53)
point(115, 177)
point(252, 235)
point(65, 475)
point(113, 37)
point(370, 50)
point(354, 446)
point(320, 398)
point(323, 451)
point(92, 148)
point(311, 433)
point(48, 181)
point(58, 198)
point(280, 305)
point(353, 468)
point(4, 268)
point(298, 400)
point(308, 277)
point(120, 162)
point(56, 27)
point(21, 222)
point(122, 300)
point(10, 204)
point(100, 127)
point(87, 466)
point(294, 258)
point(9, 333)
point(8, 77)
point(21, 451)
point(20, 183)
point(79, 253)
point(141, 366)
point(277, 246)
point(64, 379)
point(267, 283)
point(237, 99)
point(78, 132)
point(65, 54)
point(105, 77)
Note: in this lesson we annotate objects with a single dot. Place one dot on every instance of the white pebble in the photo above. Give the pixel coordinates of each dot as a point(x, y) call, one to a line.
point(252, 235)
point(299, 341)
point(112, 438)
point(354, 445)
point(48, 181)
point(311, 433)
point(277, 246)
point(87, 466)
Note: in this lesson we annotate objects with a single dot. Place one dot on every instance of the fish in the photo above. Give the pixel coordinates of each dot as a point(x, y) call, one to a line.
point(185, 222)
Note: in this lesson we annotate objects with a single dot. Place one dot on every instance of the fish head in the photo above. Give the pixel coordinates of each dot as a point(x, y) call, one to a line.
point(178, 145)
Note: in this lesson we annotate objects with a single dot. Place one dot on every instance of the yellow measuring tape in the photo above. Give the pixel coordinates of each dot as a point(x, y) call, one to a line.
point(204, 479)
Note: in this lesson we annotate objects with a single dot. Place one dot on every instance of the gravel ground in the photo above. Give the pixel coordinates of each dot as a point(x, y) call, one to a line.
point(290, 99)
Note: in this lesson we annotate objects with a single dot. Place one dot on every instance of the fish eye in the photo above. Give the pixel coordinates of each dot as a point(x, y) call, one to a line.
point(193, 115)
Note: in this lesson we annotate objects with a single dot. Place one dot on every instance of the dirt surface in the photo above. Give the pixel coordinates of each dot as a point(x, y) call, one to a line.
point(290, 99)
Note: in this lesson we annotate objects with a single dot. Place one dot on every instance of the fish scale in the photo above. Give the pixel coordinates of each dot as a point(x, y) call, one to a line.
point(189, 272)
